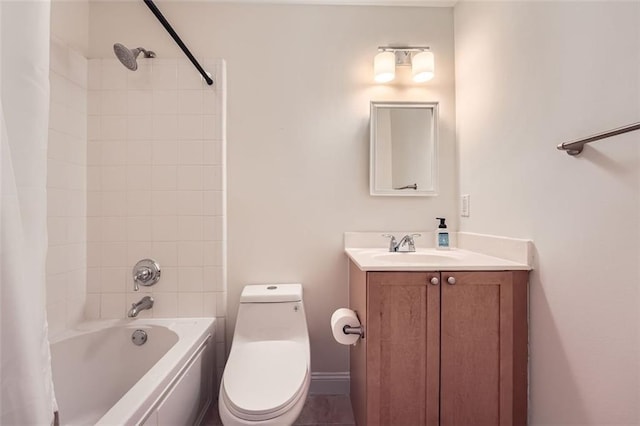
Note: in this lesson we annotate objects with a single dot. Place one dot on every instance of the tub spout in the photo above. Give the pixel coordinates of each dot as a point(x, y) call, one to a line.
point(144, 303)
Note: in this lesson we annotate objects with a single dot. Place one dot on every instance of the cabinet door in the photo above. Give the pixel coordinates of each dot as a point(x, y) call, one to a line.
point(403, 348)
point(483, 348)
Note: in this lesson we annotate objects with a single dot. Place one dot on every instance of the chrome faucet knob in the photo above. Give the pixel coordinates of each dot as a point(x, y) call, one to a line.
point(407, 244)
point(146, 272)
point(393, 244)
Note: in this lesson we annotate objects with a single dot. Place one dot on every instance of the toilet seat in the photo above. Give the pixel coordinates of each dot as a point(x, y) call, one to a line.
point(263, 379)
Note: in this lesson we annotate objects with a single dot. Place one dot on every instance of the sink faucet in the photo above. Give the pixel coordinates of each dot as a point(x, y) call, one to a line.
point(144, 303)
point(405, 245)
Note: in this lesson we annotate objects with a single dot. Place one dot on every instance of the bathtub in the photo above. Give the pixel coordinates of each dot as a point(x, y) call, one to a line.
point(101, 377)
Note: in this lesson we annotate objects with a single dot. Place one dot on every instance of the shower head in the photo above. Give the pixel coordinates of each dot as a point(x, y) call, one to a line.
point(128, 56)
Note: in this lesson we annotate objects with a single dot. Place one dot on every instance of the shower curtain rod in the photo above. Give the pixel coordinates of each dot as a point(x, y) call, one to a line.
point(167, 26)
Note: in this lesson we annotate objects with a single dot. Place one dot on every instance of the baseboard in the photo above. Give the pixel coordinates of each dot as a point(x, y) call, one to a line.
point(330, 383)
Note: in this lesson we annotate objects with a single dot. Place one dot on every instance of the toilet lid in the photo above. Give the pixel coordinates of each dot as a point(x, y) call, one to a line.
point(264, 377)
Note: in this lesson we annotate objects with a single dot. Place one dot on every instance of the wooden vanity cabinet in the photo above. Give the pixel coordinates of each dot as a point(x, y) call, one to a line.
point(440, 348)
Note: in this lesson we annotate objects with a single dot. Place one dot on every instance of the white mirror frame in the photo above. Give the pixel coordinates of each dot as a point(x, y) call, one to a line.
point(431, 165)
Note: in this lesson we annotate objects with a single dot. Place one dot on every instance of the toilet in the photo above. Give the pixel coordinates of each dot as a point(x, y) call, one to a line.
point(267, 376)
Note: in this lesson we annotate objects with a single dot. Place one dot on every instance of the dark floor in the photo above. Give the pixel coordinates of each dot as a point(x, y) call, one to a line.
point(319, 410)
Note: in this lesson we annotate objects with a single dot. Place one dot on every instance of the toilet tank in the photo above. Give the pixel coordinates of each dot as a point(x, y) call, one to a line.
point(271, 312)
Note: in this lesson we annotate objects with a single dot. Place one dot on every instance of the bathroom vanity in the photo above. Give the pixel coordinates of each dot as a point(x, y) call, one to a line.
point(445, 338)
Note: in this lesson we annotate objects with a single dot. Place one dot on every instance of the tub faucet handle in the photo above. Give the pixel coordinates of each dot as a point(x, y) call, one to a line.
point(146, 272)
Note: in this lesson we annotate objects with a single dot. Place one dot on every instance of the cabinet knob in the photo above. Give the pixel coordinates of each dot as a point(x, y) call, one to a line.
point(435, 281)
point(451, 280)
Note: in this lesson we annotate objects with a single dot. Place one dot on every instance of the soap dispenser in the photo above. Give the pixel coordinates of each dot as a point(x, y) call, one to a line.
point(442, 235)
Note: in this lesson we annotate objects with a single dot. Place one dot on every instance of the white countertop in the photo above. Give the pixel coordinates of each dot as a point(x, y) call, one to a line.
point(489, 254)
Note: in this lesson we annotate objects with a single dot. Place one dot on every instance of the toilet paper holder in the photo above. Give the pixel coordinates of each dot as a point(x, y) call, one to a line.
point(354, 330)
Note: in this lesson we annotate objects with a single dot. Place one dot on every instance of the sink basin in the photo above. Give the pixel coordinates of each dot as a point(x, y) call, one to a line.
point(426, 258)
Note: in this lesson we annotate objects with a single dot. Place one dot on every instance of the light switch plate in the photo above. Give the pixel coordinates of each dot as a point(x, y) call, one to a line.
point(464, 205)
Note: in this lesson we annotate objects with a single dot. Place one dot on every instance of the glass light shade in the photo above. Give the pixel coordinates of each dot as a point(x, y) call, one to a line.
point(422, 66)
point(384, 67)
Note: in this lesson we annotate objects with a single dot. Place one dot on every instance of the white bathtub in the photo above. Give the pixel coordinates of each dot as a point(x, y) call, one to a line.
point(101, 377)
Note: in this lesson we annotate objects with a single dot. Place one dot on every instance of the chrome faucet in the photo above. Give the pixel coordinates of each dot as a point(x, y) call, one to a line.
point(144, 303)
point(405, 245)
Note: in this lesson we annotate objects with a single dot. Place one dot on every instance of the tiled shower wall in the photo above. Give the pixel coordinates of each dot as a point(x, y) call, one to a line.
point(156, 188)
point(66, 188)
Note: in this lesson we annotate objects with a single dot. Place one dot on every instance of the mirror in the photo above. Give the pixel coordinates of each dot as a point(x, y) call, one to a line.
point(404, 139)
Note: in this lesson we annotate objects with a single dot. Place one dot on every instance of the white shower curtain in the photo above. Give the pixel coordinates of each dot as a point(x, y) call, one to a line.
point(26, 389)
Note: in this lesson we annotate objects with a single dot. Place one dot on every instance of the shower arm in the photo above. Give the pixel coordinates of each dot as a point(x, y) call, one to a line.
point(167, 26)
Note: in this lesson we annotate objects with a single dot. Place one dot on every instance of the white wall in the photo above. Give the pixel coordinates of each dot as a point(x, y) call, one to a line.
point(529, 76)
point(299, 84)
point(70, 23)
point(66, 175)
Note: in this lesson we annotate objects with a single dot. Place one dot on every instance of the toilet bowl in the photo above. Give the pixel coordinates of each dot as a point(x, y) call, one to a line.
point(267, 376)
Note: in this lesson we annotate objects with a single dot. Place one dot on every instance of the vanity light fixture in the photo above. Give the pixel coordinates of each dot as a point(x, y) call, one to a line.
point(420, 58)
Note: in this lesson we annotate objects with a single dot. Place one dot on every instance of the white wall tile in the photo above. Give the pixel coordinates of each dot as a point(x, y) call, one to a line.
point(75, 311)
point(165, 252)
point(165, 305)
point(113, 305)
point(138, 152)
point(114, 254)
point(113, 76)
point(190, 203)
point(138, 228)
point(165, 102)
point(190, 279)
point(213, 178)
point(210, 304)
point(138, 203)
point(114, 127)
point(164, 153)
point(114, 178)
point(114, 228)
point(165, 127)
point(141, 79)
point(112, 153)
point(164, 203)
point(164, 177)
point(94, 254)
point(190, 127)
point(136, 251)
point(190, 305)
point(190, 178)
point(190, 102)
point(213, 279)
point(114, 203)
point(211, 152)
point(139, 102)
point(139, 177)
point(164, 228)
point(113, 102)
point(190, 228)
point(149, 168)
point(169, 281)
point(191, 152)
point(55, 285)
point(92, 307)
point(190, 253)
point(93, 102)
point(94, 76)
point(211, 128)
point(140, 128)
point(94, 280)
